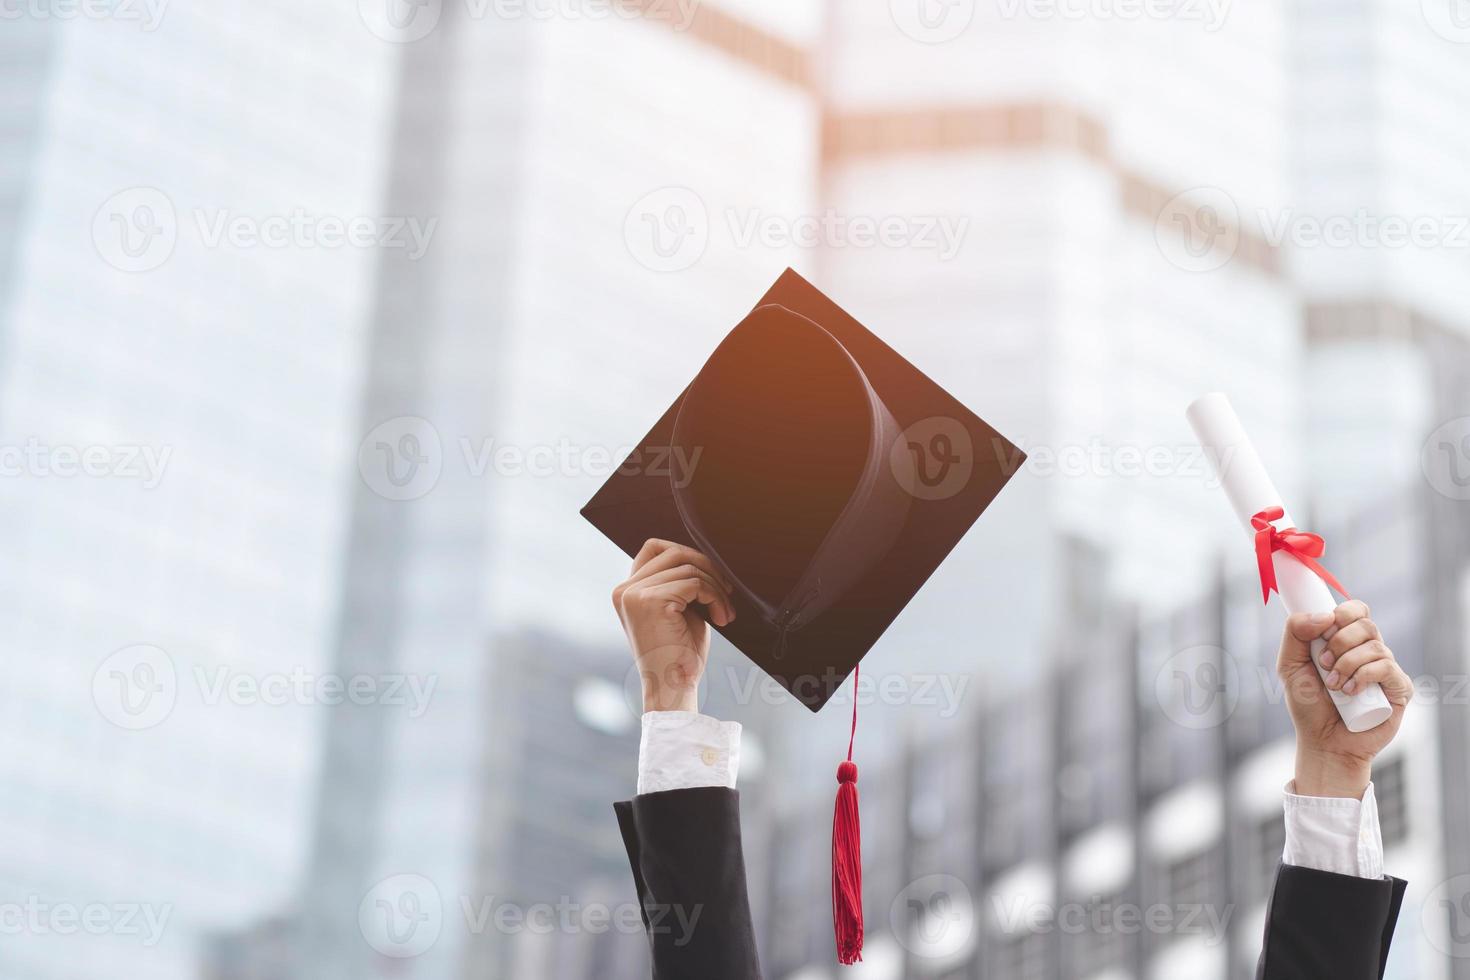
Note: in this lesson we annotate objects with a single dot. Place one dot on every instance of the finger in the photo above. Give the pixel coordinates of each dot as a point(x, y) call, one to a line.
point(1354, 660)
point(1350, 612)
point(651, 549)
point(671, 556)
point(681, 592)
point(1296, 641)
point(1397, 685)
point(1360, 632)
point(722, 609)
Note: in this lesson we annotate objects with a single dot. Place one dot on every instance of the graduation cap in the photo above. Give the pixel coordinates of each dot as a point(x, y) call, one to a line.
point(825, 477)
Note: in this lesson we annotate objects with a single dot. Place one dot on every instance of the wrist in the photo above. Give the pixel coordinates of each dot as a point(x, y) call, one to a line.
point(669, 697)
point(1331, 774)
point(665, 702)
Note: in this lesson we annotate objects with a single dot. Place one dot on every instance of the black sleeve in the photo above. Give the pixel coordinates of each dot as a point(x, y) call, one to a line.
point(688, 866)
point(1320, 924)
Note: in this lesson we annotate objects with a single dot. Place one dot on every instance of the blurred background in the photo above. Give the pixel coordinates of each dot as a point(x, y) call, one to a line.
point(320, 321)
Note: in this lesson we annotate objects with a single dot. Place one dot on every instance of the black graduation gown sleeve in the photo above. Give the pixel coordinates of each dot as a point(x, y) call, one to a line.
point(689, 869)
point(1321, 925)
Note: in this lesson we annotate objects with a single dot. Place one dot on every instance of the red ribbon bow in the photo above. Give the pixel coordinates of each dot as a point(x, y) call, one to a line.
point(1304, 547)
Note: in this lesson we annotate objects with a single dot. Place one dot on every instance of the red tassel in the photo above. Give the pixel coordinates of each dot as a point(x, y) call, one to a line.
point(847, 857)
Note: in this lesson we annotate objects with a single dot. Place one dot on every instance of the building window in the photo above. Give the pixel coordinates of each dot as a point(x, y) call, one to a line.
point(1021, 957)
point(1103, 944)
point(1191, 879)
point(1389, 786)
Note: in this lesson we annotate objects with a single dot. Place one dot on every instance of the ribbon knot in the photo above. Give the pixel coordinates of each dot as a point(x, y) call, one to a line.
point(1301, 545)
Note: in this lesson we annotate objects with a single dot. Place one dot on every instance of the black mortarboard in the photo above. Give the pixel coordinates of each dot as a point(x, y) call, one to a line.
point(822, 473)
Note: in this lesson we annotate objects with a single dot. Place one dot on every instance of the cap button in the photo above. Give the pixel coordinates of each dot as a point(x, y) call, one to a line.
point(847, 772)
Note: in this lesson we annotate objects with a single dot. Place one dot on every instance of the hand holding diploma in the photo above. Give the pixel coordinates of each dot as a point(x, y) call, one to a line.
point(1287, 557)
point(1332, 759)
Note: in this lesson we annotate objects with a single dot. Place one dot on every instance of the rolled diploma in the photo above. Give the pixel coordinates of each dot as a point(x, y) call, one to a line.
point(1250, 491)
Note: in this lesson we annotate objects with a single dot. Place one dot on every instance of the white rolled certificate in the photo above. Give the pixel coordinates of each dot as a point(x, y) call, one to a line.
point(1250, 491)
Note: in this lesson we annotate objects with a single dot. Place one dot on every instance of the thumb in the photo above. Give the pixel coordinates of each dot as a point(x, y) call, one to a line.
point(1301, 630)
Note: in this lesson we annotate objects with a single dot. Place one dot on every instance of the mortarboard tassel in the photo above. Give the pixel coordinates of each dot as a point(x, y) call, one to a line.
point(847, 856)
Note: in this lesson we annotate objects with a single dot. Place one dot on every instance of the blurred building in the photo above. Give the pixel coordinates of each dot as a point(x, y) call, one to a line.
point(209, 381)
point(1121, 819)
point(519, 361)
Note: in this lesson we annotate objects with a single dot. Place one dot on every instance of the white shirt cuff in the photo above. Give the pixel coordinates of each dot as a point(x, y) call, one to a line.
point(1334, 834)
point(684, 750)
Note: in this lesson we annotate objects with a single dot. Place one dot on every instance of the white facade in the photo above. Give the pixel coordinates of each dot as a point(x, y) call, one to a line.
point(235, 367)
